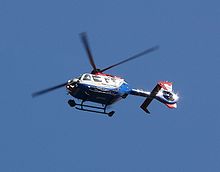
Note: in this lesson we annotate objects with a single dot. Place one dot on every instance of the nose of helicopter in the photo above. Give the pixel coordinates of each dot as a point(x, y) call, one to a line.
point(71, 84)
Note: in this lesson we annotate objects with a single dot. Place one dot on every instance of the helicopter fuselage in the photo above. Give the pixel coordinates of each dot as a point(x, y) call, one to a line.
point(99, 88)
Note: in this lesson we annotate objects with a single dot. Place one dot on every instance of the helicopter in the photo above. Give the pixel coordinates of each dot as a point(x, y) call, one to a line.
point(104, 89)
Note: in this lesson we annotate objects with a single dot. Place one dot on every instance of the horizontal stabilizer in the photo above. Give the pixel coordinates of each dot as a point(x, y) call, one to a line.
point(150, 98)
point(145, 105)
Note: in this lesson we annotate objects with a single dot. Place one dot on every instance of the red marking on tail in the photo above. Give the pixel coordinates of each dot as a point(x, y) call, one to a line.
point(171, 106)
point(166, 85)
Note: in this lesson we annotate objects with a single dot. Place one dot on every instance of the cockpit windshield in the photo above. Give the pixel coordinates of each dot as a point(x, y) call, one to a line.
point(79, 77)
point(87, 77)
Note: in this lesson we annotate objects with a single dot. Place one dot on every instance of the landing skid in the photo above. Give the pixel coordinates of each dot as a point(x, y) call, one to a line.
point(83, 107)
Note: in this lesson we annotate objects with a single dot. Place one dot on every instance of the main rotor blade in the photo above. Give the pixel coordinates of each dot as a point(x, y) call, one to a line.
point(132, 58)
point(48, 90)
point(85, 42)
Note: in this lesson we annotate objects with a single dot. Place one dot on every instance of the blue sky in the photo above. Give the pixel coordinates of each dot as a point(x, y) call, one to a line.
point(40, 47)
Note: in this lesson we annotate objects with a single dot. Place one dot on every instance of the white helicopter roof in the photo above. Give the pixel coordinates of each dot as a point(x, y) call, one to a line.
point(102, 80)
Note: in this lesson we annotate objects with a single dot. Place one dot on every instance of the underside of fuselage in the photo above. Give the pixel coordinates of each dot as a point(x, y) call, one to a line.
point(97, 94)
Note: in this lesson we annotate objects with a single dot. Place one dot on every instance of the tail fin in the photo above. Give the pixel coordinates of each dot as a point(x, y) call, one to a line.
point(165, 96)
point(167, 86)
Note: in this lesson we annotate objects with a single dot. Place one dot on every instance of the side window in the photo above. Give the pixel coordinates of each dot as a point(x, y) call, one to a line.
point(113, 80)
point(87, 77)
point(97, 78)
point(107, 80)
point(110, 81)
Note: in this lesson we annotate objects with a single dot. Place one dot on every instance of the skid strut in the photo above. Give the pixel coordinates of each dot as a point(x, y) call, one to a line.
point(83, 107)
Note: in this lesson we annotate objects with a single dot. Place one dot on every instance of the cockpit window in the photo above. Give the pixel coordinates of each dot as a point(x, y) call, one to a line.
point(87, 77)
point(113, 80)
point(97, 78)
point(107, 80)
